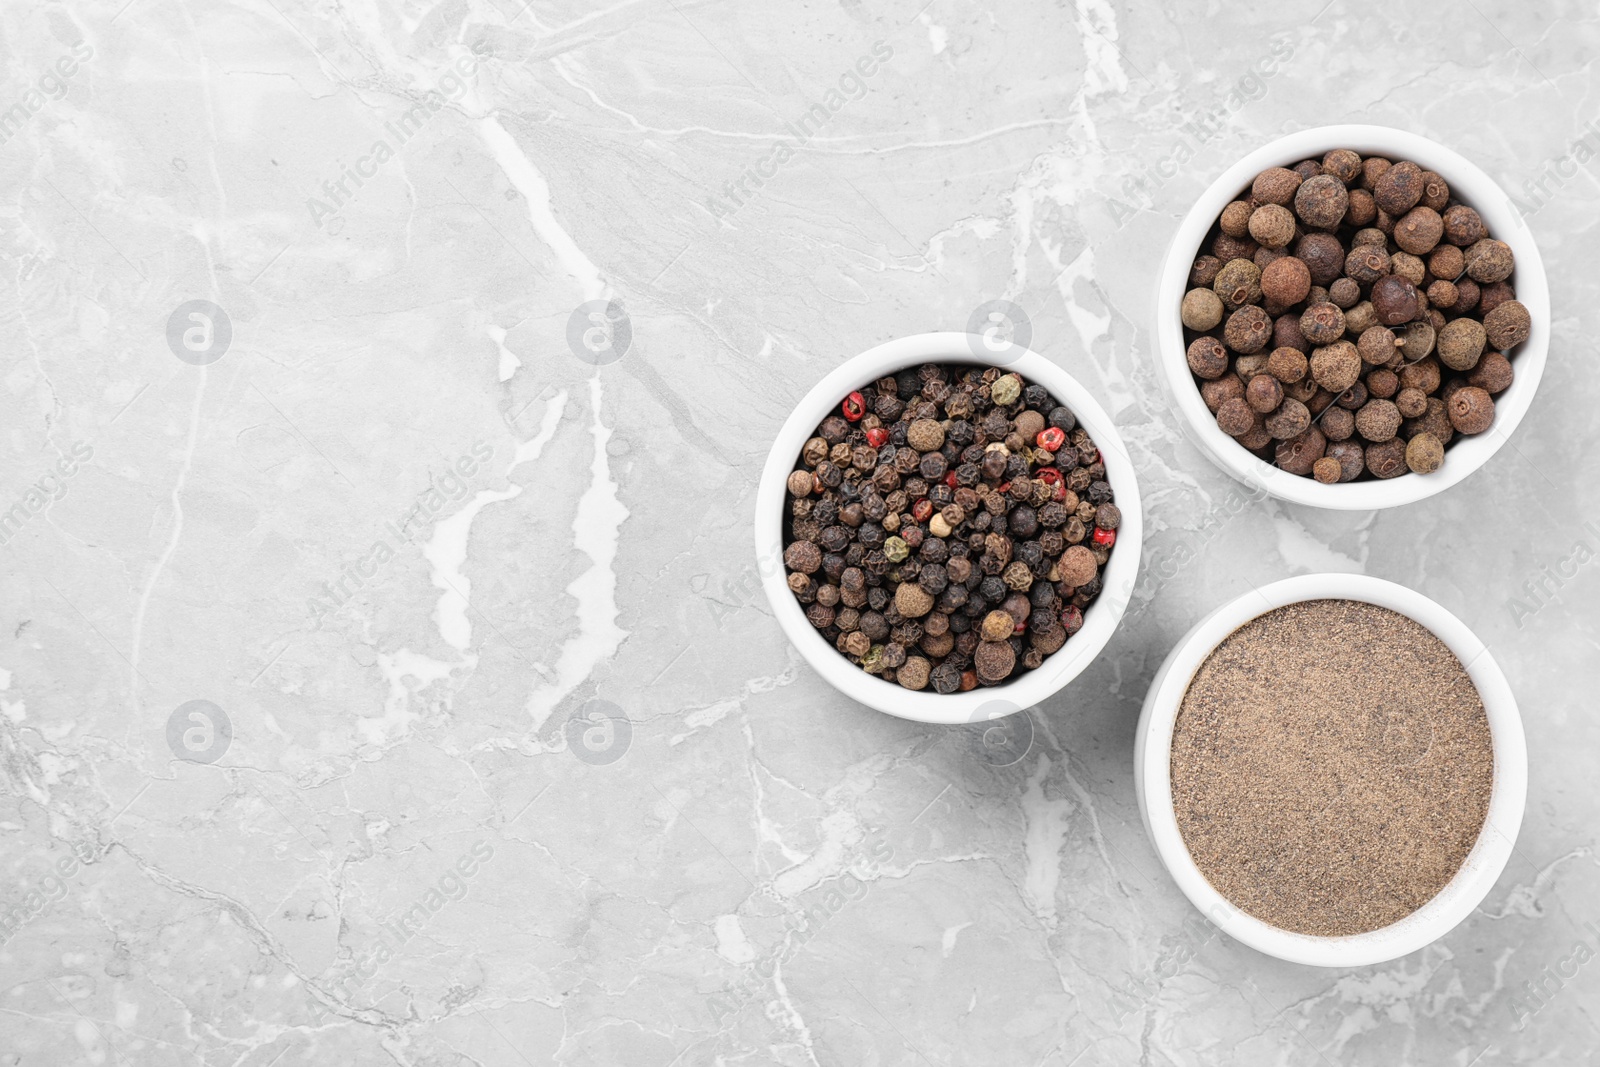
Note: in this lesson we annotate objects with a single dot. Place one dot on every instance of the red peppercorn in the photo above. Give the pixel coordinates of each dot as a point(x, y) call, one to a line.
point(1104, 538)
point(922, 510)
point(1004, 487)
point(1048, 475)
point(854, 406)
point(877, 437)
point(1051, 439)
point(950, 479)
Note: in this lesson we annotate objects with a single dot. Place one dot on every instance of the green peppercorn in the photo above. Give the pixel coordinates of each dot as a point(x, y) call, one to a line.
point(1006, 389)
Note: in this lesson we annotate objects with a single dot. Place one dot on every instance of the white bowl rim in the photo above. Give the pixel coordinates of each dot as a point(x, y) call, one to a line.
point(1473, 187)
point(1483, 864)
point(1100, 618)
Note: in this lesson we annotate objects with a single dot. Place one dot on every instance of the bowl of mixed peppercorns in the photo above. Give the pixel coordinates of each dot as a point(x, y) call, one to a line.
point(948, 534)
point(1353, 317)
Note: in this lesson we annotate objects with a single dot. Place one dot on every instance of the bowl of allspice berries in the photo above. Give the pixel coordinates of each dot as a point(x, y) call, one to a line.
point(948, 530)
point(1353, 317)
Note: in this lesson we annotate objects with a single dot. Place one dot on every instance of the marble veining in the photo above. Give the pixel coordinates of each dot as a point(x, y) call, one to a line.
point(385, 676)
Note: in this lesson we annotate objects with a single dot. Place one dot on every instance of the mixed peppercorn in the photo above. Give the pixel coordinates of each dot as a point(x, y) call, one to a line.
point(948, 525)
point(1351, 317)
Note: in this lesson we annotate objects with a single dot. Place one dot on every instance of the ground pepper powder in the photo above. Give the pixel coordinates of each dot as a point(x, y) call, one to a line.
point(1331, 767)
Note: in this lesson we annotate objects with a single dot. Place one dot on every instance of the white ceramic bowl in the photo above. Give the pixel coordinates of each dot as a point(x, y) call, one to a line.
point(985, 702)
point(1469, 184)
point(1153, 775)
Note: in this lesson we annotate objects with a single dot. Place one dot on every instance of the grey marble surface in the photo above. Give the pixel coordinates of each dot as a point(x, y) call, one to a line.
point(410, 551)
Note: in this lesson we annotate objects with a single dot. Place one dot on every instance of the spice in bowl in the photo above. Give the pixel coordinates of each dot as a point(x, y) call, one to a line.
point(1349, 318)
point(948, 526)
point(1331, 767)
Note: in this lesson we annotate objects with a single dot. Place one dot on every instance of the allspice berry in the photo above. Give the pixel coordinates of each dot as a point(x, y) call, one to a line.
point(1272, 225)
point(1492, 374)
point(1366, 263)
point(1378, 420)
point(1462, 225)
point(1507, 325)
point(1351, 399)
point(1264, 393)
point(1342, 163)
point(1435, 191)
point(1419, 230)
point(1201, 310)
point(1321, 202)
point(1290, 420)
point(1372, 169)
point(1322, 324)
point(914, 672)
point(1399, 188)
point(912, 601)
point(1300, 453)
point(1337, 424)
point(1336, 367)
point(1383, 383)
point(1247, 367)
point(1363, 210)
point(1284, 281)
point(1352, 459)
point(925, 435)
point(1344, 292)
point(1326, 470)
point(1394, 299)
point(1442, 294)
point(1359, 318)
point(1493, 295)
point(1489, 260)
point(1077, 566)
point(1204, 271)
point(1207, 357)
point(994, 660)
point(1256, 438)
point(1322, 254)
point(1424, 453)
point(1411, 403)
point(1422, 375)
point(1248, 330)
point(1276, 185)
point(1377, 345)
point(1230, 248)
point(801, 483)
point(1387, 459)
point(1409, 267)
point(1461, 343)
point(1235, 220)
point(1417, 340)
point(1447, 261)
point(1471, 409)
point(1286, 333)
point(1288, 365)
point(1238, 283)
point(1220, 390)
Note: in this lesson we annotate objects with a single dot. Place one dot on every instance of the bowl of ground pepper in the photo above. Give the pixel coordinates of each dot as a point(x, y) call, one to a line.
point(1070, 425)
point(1332, 768)
point(1343, 370)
